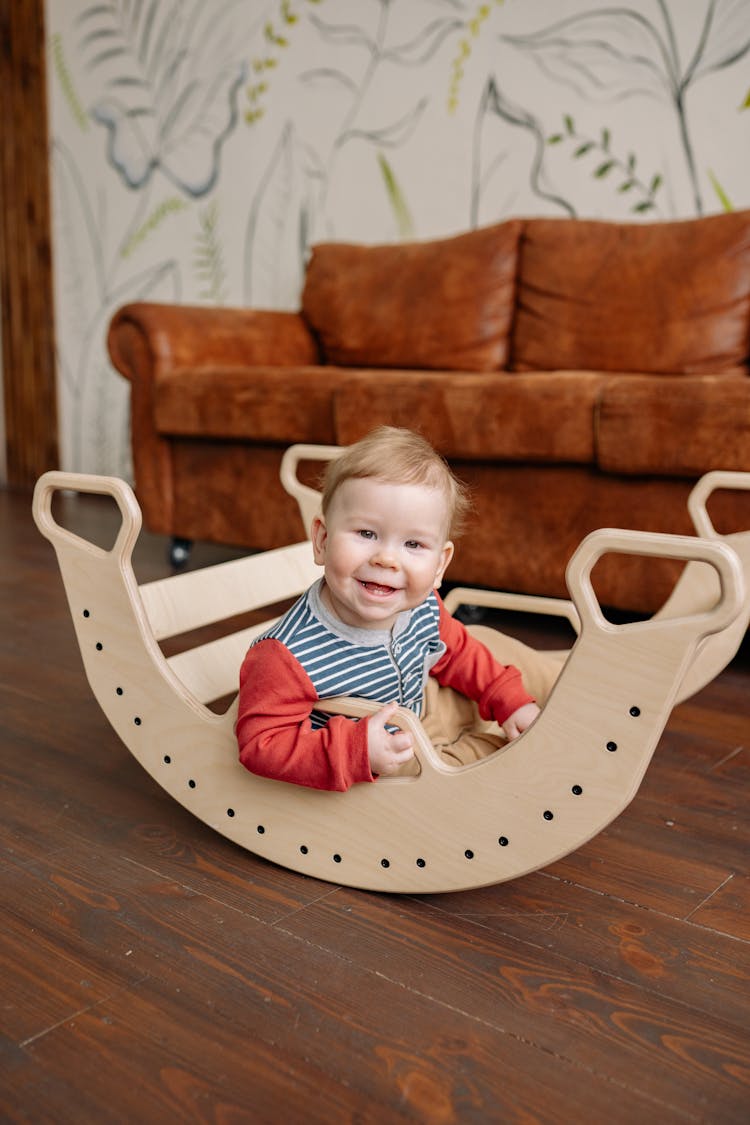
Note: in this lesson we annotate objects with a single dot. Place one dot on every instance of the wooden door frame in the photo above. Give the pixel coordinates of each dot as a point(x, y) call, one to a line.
point(26, 286)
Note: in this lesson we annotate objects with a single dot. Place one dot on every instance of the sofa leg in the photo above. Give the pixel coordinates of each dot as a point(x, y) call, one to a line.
point(179, 551)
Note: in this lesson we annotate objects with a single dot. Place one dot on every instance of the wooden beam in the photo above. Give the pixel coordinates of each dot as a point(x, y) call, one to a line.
point(29, 380)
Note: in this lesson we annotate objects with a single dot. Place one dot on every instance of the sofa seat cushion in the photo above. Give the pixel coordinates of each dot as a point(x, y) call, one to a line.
point(274, 404)
point(446, 304)
point(673, 427)
point(547, 417)
point(654, 298)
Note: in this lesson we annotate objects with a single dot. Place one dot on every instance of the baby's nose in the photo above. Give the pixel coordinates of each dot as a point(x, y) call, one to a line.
point(385, 556)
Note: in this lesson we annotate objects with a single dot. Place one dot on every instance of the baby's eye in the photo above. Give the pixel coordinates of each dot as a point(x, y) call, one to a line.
point(413, 544)
point(366, 533)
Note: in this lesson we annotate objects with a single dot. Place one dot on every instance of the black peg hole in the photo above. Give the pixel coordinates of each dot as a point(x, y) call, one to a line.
point(548, 815)
point(635, 712)
point(385, 863)
point(611, 746)
point(337, 858)
point(260, 829)
point(304, 849)
point(167, 759)
point(577, 789)
point(503, 841)
point(230, 812)
point(118, 691)
point(191, 783)
point(86, 613)
point(421, 862)
point(137, 721)
point(469, 853)
point(99, 646)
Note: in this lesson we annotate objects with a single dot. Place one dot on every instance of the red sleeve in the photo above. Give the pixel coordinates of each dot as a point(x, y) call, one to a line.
point(274, 732)
point(469, 667)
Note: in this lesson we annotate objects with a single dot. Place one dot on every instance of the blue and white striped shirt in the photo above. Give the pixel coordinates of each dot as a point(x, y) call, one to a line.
point(382, 665)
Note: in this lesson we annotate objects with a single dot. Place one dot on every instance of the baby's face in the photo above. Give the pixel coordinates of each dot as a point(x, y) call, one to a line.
point(384, 547)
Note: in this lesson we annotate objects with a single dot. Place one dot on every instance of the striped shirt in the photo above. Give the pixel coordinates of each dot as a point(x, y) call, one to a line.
point(382, 665)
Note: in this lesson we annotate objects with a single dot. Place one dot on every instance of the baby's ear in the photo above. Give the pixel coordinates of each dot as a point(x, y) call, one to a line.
point(319, 537)
point(445, 557)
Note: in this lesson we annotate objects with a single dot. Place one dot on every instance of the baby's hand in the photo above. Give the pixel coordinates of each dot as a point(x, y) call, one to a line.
point(517, 723)
point(387, 751)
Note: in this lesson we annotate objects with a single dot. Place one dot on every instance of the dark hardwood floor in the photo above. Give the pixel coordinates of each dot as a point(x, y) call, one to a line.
point(154, 972)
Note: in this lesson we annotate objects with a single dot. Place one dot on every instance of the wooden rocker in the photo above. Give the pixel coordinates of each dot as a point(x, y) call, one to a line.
point(559, 784)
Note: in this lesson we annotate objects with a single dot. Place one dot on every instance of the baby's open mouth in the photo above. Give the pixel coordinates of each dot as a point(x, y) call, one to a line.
point(377, 588)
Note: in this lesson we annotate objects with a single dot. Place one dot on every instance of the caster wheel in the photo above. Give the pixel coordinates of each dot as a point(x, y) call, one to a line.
point(179, 552)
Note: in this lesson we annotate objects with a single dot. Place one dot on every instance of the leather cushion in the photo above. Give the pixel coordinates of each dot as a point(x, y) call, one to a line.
point(439, 305)
point(546, 417)
point(653, 298)
point(673, 427)
point(277, 404)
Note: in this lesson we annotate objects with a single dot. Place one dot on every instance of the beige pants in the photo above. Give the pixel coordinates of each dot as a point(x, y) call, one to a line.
point(452, 721)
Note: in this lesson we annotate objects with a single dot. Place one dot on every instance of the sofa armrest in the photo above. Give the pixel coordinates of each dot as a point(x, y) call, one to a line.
point(147, 340)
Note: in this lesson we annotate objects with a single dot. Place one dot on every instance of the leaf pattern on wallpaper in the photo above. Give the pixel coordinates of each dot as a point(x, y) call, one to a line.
point(322, 167)
point(169, 72)
point(276, 233)
point(420, 49)
point(208, 257)
point(91, 394)
point(474, 28)
point(67, 85)
point(167, 207)
point(618, 52)
point(721, 195)
point(400, 208)
point(387, 136)
point(494, 103)
point(276, 37)
point(621, 172)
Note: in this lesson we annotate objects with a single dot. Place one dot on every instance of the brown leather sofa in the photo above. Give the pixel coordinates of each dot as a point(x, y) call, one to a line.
point(577, 374)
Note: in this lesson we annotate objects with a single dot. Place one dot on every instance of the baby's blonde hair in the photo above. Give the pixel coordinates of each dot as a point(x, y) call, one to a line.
point(398, 456)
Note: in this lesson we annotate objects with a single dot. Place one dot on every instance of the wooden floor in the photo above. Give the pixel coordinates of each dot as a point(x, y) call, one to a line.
point(153, 972)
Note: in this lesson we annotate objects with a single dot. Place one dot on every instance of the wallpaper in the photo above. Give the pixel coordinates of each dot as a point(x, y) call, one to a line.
point(200, 147)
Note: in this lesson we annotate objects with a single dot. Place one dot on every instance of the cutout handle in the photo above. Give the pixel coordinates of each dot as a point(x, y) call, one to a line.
point(698, 497)
point(122, 493)
point(308, 499)
point(718, 554)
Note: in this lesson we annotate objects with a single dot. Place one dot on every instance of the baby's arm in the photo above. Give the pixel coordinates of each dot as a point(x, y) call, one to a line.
point(468, 666)
point(274, 731)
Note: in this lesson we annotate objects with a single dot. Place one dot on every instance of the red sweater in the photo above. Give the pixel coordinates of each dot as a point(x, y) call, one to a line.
point(274, 731)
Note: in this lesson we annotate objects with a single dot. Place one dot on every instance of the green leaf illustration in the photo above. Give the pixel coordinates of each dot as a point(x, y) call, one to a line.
point(66, 83)
point(396, 198)
point(155, 219)
point(720, 193)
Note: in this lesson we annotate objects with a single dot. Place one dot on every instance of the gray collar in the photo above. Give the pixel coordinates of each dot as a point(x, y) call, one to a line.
point(368, 638)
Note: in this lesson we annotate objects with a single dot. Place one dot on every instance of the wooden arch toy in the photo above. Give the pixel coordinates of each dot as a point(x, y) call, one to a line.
point(556, 786)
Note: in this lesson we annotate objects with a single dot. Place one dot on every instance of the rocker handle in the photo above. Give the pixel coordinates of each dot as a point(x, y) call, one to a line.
point(122, 493)
point(308, 499)
point(701, 491)
point(716, 553)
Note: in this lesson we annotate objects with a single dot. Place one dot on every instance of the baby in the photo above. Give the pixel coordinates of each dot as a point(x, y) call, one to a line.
point(374, 626)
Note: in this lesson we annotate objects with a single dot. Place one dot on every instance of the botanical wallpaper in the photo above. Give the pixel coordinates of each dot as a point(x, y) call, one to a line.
point(200, 147)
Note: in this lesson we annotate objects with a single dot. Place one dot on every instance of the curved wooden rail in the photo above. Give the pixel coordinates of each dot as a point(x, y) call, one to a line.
point(559, 784)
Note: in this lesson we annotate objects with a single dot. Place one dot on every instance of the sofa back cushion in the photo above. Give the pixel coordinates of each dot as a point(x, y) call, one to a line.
point(441, 305)
point(661, 298)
